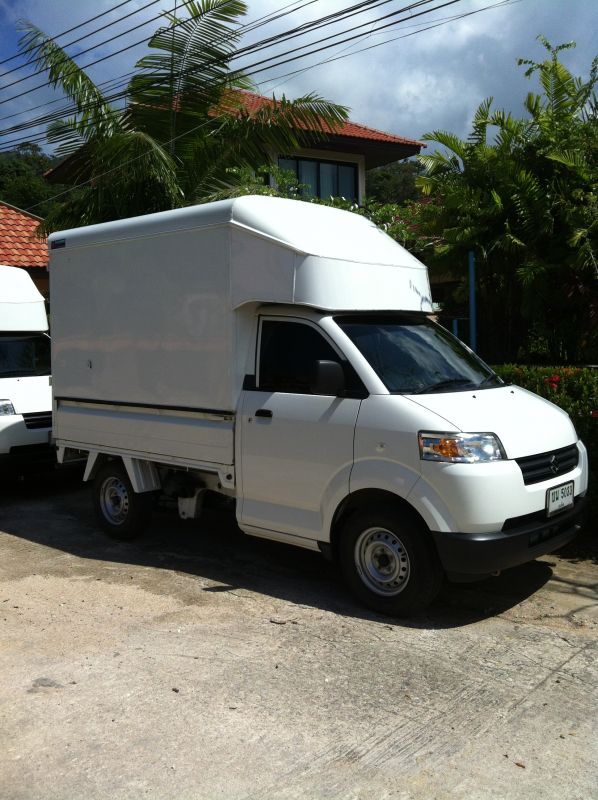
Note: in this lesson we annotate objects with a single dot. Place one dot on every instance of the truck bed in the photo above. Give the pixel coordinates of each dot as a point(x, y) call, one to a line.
point(166, 435)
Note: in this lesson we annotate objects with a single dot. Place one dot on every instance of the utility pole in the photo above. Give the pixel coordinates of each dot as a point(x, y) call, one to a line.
point(172, 97)
point(472, 303)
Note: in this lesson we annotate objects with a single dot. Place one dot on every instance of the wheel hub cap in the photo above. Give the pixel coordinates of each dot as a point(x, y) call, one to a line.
point(114, 500)
point(382, 561)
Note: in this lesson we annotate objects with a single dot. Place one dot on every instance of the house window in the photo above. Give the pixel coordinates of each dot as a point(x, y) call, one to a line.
point(323, 178)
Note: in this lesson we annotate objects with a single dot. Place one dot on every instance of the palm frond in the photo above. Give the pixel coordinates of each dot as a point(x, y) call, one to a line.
point(63, 72)
point(448, 140)
point(574, 159)
point(480, 122)
point(241, 138)
point(191, 71)
point(65, 134)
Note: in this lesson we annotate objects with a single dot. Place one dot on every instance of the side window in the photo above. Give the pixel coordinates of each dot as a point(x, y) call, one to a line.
point(288, 353)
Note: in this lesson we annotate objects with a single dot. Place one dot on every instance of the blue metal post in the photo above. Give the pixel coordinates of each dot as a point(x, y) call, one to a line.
point(472, 303)
point(456, 328)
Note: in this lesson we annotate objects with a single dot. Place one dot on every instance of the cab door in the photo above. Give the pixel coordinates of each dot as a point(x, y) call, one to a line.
point(296, 445)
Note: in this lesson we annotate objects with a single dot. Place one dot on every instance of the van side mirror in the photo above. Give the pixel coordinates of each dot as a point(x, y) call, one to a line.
point(328, 379)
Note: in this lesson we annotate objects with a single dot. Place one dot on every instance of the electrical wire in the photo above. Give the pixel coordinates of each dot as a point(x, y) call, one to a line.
point(116, 53)
point(70, 30)
point(82, 38)
point(321, 22)
point(123, 79)
point(88, 50)
point(334, 58)
point(103, 58)
point(437, 24)
point(207, 122)
point(326, 21)
point(280, 62)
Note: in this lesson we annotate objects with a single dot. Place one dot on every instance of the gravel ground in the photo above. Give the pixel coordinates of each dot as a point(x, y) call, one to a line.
point(200, 663)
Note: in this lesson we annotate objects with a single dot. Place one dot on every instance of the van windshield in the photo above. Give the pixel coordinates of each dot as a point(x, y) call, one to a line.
point(413, 355)
point(23, 354)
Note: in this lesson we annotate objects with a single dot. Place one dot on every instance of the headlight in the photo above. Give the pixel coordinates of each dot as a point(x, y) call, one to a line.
point(6, 408)
point(460, 448)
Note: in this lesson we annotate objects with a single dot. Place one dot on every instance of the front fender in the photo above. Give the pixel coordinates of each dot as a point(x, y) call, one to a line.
point(406, 483)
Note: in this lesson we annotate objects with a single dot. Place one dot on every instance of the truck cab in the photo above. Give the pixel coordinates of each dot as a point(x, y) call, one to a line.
point(25, 376)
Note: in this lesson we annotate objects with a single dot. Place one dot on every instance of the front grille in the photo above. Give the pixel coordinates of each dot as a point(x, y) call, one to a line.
point(38, 419)
point(545, 466)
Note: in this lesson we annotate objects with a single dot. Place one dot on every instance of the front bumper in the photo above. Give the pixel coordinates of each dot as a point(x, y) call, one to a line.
point(467, 556)
point(25, 442)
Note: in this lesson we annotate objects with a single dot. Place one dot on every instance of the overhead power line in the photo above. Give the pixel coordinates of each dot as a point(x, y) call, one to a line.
point(70, 30)
point(88, 50)
point(256, 47)
point(82, 38)
point(349, 39)
point(436, 24)
point(122, 79)
point(304, 28)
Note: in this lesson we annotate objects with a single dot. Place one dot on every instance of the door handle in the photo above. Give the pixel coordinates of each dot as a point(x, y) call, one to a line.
point(264, 412)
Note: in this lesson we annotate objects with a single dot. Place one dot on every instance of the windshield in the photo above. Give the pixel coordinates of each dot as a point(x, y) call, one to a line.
point(23, 354)
point(413, 355)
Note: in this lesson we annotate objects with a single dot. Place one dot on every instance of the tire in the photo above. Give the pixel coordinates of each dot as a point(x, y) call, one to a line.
point(121, 512)
point(388, 561)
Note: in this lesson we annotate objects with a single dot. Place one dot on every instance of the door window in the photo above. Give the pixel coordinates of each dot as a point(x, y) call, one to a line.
point(288, 353)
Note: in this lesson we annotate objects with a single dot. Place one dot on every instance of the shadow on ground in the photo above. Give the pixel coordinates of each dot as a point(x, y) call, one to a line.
point(55, 511)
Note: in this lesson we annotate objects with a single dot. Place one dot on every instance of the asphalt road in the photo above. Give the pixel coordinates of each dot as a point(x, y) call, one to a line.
point(199, 663)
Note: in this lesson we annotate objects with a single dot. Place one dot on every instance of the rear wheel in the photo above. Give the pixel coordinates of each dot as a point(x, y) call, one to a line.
point(388, 561)
point(121, 512)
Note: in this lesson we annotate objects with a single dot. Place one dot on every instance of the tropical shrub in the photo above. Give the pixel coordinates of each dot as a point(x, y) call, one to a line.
point(521, 194)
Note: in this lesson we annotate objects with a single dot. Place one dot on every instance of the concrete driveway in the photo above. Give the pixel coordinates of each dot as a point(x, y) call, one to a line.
point(199, 663)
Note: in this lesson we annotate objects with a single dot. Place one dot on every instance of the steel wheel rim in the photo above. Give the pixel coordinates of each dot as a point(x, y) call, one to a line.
point(382, 561)
point(114, 501)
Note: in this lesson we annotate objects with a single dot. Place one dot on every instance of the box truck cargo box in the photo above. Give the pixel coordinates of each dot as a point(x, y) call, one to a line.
point(25, 391)
point(281, 353)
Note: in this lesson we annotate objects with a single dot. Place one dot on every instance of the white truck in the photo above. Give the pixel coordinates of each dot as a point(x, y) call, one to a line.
point(25, 390)
point(281, 353)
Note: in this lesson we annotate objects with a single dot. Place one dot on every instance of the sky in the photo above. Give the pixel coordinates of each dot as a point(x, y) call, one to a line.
point(426, 73)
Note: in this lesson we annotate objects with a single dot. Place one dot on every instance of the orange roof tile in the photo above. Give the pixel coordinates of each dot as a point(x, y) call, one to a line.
point(19, 246)
point(253, 102)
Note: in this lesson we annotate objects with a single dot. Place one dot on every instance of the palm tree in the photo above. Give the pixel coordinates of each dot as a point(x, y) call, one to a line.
point(520, 193)
point(185, 124)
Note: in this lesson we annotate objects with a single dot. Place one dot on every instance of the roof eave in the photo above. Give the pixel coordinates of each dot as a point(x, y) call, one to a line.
point(375, 152)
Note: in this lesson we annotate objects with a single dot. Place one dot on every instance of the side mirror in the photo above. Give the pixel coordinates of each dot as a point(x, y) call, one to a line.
point(329, 379)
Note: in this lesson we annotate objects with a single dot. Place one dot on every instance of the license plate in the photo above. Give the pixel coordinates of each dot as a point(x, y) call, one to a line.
point(559, 498)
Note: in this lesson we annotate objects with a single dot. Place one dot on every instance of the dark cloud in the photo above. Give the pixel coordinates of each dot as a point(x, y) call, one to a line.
point(432, 80)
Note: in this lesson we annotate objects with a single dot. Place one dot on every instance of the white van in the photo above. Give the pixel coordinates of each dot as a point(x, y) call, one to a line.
point(281, 353)
point(25, 383)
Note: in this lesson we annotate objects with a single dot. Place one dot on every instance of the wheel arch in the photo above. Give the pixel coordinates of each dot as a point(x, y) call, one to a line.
point(360, 499)
point(143, 475)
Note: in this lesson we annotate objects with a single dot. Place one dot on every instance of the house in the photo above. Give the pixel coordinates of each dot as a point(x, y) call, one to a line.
point(334, 166)
point(20, 247)
point(337, 164)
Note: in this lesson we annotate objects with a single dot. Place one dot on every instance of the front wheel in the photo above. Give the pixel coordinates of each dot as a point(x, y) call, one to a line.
point(121, 512)
point(388, 561)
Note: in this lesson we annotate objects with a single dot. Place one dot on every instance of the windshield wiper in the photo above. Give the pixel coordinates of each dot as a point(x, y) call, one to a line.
point(446, 384)
point(489, 380)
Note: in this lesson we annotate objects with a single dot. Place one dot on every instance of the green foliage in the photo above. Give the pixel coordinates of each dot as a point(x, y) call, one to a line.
point(394, 183)
point(521, 193)
point(21, 178)
point(397, 221)
point(574, 389)
point(183, 128)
